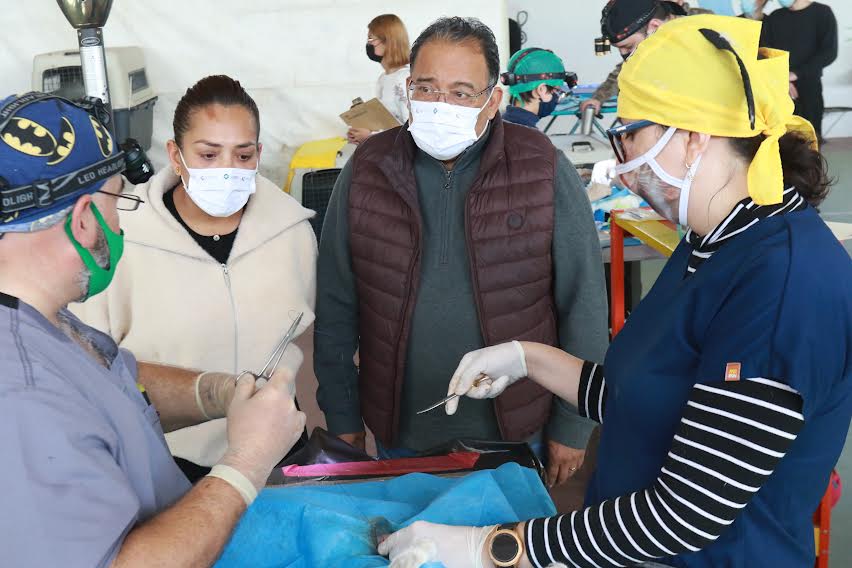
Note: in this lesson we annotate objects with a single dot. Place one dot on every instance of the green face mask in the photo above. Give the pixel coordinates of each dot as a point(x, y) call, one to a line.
point(99, 278)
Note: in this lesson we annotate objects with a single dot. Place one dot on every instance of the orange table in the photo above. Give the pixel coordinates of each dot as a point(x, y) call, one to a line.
point(663, 237)
point(822, 529)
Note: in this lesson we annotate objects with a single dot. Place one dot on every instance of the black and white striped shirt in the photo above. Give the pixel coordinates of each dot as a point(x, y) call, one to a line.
point(744, 215)
point(729, 441)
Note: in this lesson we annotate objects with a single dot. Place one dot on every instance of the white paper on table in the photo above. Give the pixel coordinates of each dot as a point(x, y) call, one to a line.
point(640, 214)
point(843, 231)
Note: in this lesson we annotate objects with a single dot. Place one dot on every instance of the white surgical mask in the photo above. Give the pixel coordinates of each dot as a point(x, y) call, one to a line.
point(443, 130)
point(652, 192)
point(748, 7)
point(219, 192)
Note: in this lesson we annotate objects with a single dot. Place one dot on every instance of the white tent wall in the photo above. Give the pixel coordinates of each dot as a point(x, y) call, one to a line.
point(302, 60)
point(569, 27)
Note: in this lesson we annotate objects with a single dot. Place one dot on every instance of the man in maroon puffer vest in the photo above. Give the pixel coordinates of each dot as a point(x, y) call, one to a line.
point(454, 232)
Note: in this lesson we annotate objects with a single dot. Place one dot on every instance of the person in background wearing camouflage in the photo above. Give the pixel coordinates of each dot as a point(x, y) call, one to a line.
point(625, 23)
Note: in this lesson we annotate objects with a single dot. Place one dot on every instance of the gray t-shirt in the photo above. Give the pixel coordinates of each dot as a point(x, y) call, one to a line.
point(83, 455)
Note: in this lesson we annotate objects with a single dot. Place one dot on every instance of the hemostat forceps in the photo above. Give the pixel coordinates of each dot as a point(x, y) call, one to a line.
point(483, 379)
point(275, 358)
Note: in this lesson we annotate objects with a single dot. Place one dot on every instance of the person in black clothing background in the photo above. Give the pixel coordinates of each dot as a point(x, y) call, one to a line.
point(808, 30)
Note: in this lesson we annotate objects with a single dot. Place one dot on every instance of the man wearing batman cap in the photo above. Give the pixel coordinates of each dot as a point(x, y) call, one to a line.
point(625, 23)
point(87, 476)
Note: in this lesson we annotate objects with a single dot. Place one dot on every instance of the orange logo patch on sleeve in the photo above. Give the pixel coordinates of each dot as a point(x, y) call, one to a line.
point(732, 372)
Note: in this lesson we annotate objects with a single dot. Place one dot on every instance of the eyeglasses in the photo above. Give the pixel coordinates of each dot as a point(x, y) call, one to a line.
point(616, 133)
point(419, 92)
point(124, 201)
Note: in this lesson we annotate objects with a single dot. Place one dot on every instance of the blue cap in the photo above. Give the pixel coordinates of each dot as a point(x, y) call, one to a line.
point(45, 138)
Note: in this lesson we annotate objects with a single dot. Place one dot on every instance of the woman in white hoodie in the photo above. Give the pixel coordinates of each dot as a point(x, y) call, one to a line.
point(217, 264)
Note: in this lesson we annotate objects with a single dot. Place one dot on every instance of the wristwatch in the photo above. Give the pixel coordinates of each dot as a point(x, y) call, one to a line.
point(505, 547)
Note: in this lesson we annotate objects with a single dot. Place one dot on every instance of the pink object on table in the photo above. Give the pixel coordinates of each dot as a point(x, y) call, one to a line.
point(432, 464)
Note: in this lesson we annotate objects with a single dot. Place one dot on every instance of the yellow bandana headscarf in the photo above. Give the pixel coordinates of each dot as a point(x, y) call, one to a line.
point(677, 77)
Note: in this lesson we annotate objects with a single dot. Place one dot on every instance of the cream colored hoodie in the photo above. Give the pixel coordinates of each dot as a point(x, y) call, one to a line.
point(171, 302)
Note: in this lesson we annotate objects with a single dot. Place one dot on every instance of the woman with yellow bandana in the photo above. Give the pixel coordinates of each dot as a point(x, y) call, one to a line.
point(727, 396)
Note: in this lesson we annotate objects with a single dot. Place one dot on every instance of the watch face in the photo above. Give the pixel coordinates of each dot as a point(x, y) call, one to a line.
point(504, 547)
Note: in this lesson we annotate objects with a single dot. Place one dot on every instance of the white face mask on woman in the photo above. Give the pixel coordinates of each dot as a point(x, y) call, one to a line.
point(220, 192)
point(443, 130)
point(652, 188)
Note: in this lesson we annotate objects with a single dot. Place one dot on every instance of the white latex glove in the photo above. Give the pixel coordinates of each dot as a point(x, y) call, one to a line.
point(422, 542)
point(263, 425)
point(504, 364)
point(603, 172)
point(213, 393)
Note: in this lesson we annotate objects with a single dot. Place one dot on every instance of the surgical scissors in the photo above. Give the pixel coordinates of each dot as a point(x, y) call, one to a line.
point(482, 379)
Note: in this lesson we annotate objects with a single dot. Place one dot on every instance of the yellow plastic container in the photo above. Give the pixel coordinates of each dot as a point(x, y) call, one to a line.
point(318, 154)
